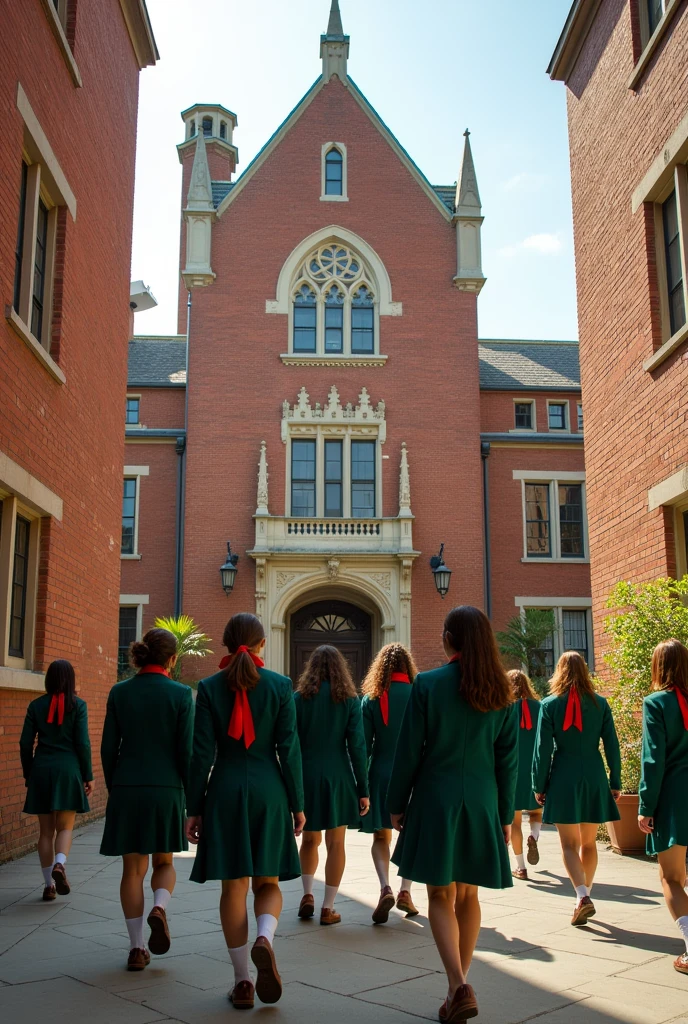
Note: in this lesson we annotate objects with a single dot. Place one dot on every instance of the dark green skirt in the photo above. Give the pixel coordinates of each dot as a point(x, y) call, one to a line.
point(55, 789)
point(378, 815)
point(330, 801)
point(144, 819)
point(578, 791)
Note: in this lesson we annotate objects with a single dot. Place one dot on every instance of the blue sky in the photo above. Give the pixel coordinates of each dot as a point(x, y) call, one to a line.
point(431, 69)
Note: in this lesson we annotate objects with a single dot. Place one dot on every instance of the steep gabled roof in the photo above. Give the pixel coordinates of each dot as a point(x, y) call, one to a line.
point(529, 365)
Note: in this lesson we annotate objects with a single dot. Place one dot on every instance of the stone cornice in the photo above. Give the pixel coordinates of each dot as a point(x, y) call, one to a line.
point(140, 31)
point(572, 39)
point(291, 359)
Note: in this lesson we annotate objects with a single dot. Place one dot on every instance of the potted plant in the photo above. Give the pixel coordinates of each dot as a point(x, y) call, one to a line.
point(191, 642)
point(643, 614)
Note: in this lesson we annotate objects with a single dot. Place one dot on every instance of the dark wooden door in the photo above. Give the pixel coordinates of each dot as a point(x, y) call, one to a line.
point(338, 623)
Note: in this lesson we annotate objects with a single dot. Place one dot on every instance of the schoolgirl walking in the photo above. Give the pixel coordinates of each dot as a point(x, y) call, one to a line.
point(528, 716)
point(57, 771)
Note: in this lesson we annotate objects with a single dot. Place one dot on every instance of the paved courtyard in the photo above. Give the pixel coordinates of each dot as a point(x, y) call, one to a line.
point(64, 961)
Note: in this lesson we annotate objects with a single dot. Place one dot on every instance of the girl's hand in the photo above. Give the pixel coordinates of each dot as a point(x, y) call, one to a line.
point(616, 793)
point(89, 787)
point(364, 805)
point(194, 829)
point(506, 829)
point(540, 797)
point(299, 823)
point(397, 822)
point(646, 823)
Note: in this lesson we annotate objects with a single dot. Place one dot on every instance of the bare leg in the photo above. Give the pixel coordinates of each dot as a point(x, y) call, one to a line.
point(46, 840)
point(134, 868)
point(336, 855)
point(570, 839)
point(233, 913)
point(267, 897)
point(164, 875)
point(517, 834)
point(588, 851)
point(64, 826)
point(467, 910)
point(672, 875)
point(380, 852)
point(308, 854)
point(445, 932)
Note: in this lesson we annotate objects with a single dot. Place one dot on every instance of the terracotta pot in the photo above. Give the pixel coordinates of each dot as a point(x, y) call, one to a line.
point(625, 835)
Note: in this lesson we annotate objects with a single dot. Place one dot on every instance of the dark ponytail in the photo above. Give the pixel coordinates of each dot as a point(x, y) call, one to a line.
point(157, 648)
point(59, 679)
point(242, 630)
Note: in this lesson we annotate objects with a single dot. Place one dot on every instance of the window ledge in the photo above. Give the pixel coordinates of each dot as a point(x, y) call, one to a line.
point(334, 199)
point(130, 558)
point(303, 359)
point(34, 344)
point(65, 48)
point(21, 679)
point(667, 349)
point(656, 38)
point(557, 561)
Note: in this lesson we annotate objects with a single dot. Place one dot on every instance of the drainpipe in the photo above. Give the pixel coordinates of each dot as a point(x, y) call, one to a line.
point(487, 562)
point(181, 481)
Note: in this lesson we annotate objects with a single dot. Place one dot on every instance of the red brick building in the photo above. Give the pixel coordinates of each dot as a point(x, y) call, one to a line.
point(69, 94)
point(334, 428)
point(625, 68)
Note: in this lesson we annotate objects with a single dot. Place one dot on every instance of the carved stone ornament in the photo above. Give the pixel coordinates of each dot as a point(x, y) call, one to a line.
point(283, 579)
point(383, 580)
point(262, 508)
point(303, 412)
point(333, 568)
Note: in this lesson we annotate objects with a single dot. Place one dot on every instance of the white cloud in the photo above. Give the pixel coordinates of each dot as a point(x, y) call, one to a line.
point(545, 244)
point(526, 181)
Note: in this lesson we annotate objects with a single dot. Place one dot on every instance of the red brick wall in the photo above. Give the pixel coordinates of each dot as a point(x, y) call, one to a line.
point(497, 409)
point(634, 422)
point(70, 436)
point(160, 408)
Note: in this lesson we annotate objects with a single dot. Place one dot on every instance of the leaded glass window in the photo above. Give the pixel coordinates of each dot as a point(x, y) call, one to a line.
point(129, 516)
point(305, 320)
point(362, 322)
point(40, 261)
point(334, 173)
point(20, 577)
point(575, 625)
point(19, 247)
point(557, 415)
point(334, 320)
point(523, 416)
point(672, 248)
point(132, 414)
point(333, 479)
point(127, 634)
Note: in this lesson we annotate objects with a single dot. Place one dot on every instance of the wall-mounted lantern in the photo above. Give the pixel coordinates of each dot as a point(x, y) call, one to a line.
point(228, 571)
point(441, 573)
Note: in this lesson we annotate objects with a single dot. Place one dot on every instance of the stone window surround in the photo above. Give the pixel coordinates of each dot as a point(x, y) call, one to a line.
point(567, 415)
point(133, 394)
point(651, 42)
point(135, 473)
point(553, 478)
point(526, 430)
point(559, 605)
point(672, 493)
point(344, 197)
point(21, 493)
point(135, 601)
point(58, 20)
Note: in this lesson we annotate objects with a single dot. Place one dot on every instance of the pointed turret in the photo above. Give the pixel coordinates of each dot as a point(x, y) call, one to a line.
point(200, 194)
point(468, 221)
point(334, 46)
point(199, 214)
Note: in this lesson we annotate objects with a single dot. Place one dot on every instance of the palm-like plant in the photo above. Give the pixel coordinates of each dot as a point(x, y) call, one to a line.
point(526, 641)
point(191, 642)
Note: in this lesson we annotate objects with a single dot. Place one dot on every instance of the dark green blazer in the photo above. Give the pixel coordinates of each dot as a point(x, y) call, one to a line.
point(57, 744)
point(148, 733)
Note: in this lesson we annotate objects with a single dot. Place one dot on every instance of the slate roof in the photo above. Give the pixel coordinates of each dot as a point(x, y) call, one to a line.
point(447, 194)
point(157, 362)
point(220, 190)
point(529, 366)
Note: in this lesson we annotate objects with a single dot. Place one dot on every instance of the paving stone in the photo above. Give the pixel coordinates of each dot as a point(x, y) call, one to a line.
point(63, 1001)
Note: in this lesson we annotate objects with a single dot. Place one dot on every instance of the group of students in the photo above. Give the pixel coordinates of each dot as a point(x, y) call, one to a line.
point(448, 758)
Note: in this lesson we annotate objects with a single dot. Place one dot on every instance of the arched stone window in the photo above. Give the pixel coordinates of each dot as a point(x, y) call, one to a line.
point(305, 320)
point(334, 187)
point(208, 127)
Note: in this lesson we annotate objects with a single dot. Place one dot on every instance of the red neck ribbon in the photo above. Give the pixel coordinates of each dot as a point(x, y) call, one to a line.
point(682, 703)
point(57, 705)
point(526, 718)
point(457, 657)
point(153, 669)
point(574, 711)
point(241, 722)
point(396, 677)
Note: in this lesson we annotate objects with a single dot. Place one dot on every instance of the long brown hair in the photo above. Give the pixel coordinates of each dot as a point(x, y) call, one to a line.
point(484, 682)
point(522, 685)
point(158, 647)
point(391, 658)
point(242, 630)
point(571, 671)
point(670, 666)
point(326, 664)
point(60, 678)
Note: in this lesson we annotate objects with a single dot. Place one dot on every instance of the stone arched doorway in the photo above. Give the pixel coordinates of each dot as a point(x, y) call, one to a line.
point(343, 625)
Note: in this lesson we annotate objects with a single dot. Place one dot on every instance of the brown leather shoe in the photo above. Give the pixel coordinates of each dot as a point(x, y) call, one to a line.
point(463, 1006)
point(681, 963)
point(138, 959)
point(406, 904)
point(328, 916)
point(307, 907)
point(521, 874)
point(60, 880)
point(385, 904)
point(533, 856)
point(585, 909)
point(49, 893)
point(242, 995)
point(159, 941)
point(268, 982)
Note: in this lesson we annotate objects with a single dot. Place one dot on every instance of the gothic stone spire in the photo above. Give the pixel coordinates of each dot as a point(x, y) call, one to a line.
point(467, 195)
point(334, 47)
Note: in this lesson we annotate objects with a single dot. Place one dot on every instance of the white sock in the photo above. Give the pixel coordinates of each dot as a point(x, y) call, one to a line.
point(581, 891)
point(239, 958)
point(60, 858)
point(267, 926)
point(48, 876)
point(682, 923)
point(330, 894)
point(135, 929)
point(535, 827)
point(307, 882)
point(406, 884)
point(520, 861)
point(162, 897)
point(382, 871)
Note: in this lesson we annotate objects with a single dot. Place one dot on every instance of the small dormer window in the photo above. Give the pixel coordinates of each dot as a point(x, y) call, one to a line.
point(223, 129)
point(334, 173)
point(208, 127)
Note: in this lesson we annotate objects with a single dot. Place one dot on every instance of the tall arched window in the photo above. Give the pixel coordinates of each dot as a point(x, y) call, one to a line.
point(207, 126)
point(334, 320)
point(305, 320)
point(334, 173)
point(362, 322)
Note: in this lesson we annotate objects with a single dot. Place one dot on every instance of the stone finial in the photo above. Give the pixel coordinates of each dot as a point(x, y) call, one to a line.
point(467, 196)
point(468, 222)
point(200, 194)
point(262, 509)
point(334, 47)
point(404, 485)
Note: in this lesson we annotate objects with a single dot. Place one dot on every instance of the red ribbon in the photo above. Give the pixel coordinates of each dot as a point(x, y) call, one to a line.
point(526, 719)
point(57, 705)
point(396, 677)
point(682, 703)
point(150, 669)
point(457, 657)
point(574, 712)
point(241, 722)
